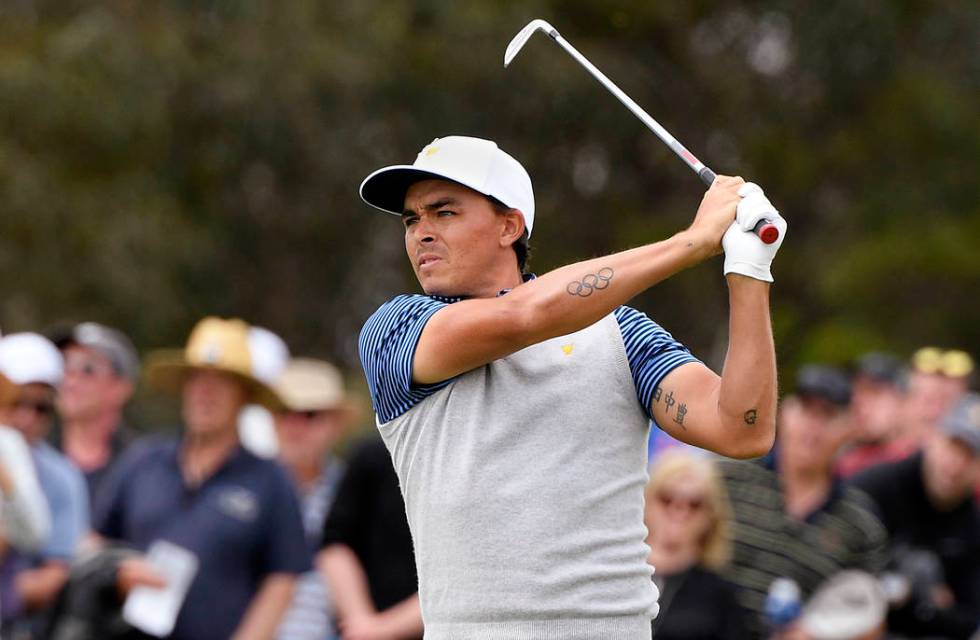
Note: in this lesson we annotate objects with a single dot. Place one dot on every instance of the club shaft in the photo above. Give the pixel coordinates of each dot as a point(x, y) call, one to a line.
point(765, 229)
point(706, 174)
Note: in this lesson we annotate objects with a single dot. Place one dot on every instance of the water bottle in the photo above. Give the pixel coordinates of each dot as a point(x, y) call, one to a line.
point(782, 603)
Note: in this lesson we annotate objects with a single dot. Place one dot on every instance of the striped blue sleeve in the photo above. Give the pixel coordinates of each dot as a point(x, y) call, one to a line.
point(652, 353)
point(387, 350)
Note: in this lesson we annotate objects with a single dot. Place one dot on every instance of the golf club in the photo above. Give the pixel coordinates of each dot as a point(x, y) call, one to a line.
point(766, 231)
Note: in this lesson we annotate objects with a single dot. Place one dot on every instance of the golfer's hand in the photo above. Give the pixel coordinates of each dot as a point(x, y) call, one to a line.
point(715, 215)
point(137, 572)
point(745, 253)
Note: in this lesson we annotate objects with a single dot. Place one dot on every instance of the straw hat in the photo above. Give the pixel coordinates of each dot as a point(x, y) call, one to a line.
point(215, 344)
point(312, 385)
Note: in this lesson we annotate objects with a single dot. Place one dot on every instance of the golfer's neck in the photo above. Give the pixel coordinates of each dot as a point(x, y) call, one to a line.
point(505, 282)
point(488, 284)
point(505, 276)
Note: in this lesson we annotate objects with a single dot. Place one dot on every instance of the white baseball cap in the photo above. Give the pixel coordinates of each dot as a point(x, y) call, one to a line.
point(27, 358)
point(269, 354)
point(850, 604)
point(472, 162)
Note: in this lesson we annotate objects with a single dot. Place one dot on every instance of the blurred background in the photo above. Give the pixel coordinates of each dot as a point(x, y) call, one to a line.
point(161, 161)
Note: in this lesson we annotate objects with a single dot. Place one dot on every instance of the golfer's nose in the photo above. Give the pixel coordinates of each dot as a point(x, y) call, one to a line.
point(423, 230)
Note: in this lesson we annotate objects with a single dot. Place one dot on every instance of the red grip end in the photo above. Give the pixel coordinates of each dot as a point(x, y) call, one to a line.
point(766, 231)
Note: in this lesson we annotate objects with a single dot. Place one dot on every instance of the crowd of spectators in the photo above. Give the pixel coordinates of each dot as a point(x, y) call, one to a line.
point(863, 521)
point(242, 523)
point(248, 522)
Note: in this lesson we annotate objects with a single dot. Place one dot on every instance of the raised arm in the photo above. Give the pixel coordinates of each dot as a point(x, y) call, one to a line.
point(471, 333)
point(733, 414)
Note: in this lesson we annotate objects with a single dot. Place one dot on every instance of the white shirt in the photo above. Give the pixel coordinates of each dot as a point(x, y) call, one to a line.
point(25, 521)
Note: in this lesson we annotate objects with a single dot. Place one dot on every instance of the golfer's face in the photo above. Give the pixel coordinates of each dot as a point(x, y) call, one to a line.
point(451, 235)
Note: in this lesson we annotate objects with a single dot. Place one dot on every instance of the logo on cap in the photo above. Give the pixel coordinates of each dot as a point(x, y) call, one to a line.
point(212, 354)
point(431, 151)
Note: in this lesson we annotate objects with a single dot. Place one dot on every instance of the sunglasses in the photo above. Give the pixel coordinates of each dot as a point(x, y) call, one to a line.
point(668, 500)
point(37, 406)
point(952, 363)
point(309, 416)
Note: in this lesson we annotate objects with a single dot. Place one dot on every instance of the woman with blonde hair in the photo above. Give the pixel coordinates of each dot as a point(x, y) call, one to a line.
point(688, 520)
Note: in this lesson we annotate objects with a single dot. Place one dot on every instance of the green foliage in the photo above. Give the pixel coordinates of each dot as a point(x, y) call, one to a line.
point(164, 160)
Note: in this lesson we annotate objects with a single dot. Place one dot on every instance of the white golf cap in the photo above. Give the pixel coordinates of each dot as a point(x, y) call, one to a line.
point(27, 358)
point(472, 162)
point(850, 604)
point(269, 354)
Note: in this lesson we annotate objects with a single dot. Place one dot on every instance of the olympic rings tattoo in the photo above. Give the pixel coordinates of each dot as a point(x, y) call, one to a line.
point(594, 281)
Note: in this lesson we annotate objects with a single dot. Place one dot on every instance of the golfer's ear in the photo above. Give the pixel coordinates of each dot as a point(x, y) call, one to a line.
point(512, 228)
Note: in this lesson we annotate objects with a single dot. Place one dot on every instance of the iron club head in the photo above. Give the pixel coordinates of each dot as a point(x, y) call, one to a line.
point(524, 34)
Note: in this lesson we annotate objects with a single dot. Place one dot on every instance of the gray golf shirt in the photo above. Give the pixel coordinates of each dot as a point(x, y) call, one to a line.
point(523, 479)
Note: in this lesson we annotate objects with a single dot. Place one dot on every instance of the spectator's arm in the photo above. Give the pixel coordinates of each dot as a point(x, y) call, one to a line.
point(403, 621)
point(283, 556)
point(136, 571)
point(267, 608)
point(339, 566)
point(38, 588)
point(359, 620)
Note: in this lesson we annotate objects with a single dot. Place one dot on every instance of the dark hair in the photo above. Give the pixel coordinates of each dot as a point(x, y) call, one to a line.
point(521, 246)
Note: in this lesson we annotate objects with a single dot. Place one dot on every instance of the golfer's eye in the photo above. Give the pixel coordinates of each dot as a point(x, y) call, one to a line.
point(445, 213)
point(409, 220)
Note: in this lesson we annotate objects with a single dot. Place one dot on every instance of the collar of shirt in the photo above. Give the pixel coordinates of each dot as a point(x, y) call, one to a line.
point(526, 277)
point(175, 454)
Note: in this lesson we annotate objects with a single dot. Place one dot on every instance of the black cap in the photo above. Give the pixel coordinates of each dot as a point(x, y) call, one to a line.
point(827, 383)
point(881, 367)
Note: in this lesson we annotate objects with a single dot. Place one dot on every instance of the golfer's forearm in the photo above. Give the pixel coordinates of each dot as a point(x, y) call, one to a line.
point(572, 297)
point(467, 335)
point(747, 392)
point(339, 565)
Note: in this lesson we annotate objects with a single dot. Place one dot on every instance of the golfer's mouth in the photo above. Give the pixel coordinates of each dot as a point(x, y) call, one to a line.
point(428, 260)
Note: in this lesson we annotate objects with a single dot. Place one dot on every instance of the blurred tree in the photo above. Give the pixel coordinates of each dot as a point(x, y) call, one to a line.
point(164, 160)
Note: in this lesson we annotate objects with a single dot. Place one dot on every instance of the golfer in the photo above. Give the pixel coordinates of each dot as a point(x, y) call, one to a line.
point(517, 409)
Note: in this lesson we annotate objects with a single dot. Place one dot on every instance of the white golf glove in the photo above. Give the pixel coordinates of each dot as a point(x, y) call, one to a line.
point(745, 253)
